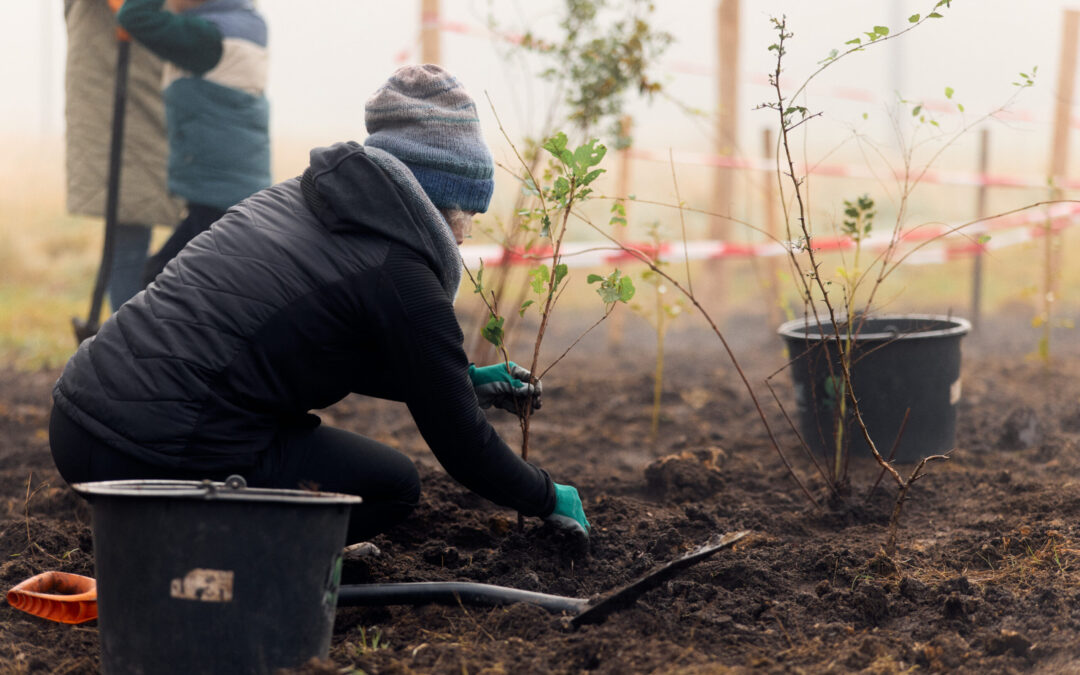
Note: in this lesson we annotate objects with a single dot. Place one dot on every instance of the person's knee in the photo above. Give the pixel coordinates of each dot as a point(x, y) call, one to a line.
point(409, 484)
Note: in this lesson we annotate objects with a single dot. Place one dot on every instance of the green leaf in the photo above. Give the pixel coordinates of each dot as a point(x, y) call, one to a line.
point(524, 306)
point(560, 273)
point(855, 41)
point(556, 143)
point(960, 107)
point(948, 92)
point(588, 155)
point(493, 330)
point(538, 278)
point(478, 287)
point(881, 30)
point(916, 110)
point(914, 18)
point(983, 239)
point(615, 287)
point(934, 15)
point(591, 176)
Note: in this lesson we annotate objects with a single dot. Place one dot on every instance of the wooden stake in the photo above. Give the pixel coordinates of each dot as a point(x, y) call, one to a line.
point(727, 55)
point(1059, 155)
point(980, 211)
point(430, 38)
point(772, 226)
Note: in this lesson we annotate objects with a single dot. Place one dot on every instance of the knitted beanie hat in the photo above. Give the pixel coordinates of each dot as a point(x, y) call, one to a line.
point(424, 117)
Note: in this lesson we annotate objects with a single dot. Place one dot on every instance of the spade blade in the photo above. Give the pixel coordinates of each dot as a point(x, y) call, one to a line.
point(625, 596)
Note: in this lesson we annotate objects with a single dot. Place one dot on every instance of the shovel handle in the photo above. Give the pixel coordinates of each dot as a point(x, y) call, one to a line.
point(452, 593)
point(121, 34)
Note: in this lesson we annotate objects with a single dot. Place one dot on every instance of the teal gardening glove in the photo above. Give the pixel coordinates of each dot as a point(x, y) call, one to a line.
point(509, 390)
point(569, 514)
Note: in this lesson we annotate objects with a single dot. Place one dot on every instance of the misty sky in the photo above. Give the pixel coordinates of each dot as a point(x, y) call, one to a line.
point(327, 56)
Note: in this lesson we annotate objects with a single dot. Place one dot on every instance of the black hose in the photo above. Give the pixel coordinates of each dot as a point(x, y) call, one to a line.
point(452, 593)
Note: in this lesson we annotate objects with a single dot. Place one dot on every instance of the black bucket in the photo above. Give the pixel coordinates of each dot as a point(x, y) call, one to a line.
point(901, 362)
point(206, 577)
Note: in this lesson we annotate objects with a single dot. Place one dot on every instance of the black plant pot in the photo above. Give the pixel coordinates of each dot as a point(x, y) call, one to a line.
point(201, 577)
point(902, 362)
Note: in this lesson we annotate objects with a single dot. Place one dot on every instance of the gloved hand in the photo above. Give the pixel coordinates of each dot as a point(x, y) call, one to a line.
point(507, 390)
point(569, 514)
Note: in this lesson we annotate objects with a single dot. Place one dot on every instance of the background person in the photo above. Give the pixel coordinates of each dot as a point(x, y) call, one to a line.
point(339, 281)
point(218, 117)
point(89, 82)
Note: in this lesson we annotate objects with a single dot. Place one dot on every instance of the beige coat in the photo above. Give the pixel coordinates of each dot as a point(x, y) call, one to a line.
point(89, 89)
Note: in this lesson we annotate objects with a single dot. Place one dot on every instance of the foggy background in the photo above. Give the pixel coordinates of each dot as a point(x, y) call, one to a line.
point(328, 56)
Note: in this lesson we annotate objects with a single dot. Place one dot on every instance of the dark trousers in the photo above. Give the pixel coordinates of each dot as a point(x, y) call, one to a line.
point(320, 457)
point(199, 219)
point(129, 259)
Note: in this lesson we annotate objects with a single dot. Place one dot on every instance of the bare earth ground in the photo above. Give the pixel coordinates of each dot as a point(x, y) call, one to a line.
point(985, 579)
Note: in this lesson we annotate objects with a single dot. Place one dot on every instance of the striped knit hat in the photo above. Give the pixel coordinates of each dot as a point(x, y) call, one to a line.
point(424, 117)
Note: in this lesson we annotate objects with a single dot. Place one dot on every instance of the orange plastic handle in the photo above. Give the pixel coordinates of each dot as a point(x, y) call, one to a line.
point(121, 34)
point(57, 596)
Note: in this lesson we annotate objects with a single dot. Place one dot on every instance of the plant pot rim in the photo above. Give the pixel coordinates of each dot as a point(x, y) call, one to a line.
point(207, 491)
point(797, 329)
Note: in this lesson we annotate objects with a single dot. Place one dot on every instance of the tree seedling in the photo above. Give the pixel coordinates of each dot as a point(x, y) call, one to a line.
point(660, 314)
point(601, 57)
point(566, 183)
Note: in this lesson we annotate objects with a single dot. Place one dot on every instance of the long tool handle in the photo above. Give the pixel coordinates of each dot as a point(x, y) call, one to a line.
point(452, 593)
point(112, 194)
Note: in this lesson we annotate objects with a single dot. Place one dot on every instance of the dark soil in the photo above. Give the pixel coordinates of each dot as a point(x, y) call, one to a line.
point(985, 578)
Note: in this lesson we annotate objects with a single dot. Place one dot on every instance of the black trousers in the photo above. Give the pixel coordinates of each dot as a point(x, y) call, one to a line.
point(199, 219)
point(320, 457)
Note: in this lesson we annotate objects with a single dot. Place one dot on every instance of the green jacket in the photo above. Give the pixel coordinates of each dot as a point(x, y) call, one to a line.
point(214, 81)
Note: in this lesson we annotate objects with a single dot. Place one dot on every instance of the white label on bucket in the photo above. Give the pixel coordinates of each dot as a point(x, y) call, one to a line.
point(954, 392)
point(204, 585)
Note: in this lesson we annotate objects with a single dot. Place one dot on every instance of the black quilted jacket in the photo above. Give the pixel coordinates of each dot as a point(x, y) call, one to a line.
point(276, 311)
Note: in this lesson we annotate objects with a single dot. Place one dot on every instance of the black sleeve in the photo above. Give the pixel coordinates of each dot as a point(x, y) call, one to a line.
point(424, 334)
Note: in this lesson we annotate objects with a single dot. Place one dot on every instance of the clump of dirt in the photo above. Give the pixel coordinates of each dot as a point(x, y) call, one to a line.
point(984, 580)
point(686, 476)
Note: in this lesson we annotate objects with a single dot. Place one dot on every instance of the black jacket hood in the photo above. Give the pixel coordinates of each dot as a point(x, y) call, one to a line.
point(349, 191)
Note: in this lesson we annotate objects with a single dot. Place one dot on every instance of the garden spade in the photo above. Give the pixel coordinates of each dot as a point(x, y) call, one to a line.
point(72, 598)
point(582, 610)
point(89, 327)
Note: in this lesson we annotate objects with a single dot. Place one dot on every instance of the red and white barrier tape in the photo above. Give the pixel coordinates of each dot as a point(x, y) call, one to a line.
point(965, 178)
point(1011, 230)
